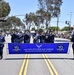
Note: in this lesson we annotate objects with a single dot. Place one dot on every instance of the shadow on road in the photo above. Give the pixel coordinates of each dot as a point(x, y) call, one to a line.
point(38, 58)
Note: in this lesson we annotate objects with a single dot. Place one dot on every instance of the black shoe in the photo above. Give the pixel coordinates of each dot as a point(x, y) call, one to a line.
point(1, 57)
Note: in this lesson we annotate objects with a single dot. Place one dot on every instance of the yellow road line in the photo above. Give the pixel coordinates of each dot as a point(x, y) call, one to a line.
point(23, 64)
point(56, 73)
point(26, 66)
point(50, 65)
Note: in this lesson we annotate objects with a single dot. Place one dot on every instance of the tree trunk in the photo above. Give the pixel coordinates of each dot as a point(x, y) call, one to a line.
point(46, 25)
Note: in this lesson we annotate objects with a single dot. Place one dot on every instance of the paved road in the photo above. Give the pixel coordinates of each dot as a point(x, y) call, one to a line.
point(55, 64)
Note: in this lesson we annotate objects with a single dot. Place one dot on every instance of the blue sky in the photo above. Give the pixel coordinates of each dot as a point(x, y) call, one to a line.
point(26, 6)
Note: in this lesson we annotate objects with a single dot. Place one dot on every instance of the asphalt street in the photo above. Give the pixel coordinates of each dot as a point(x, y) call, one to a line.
point(36, 64)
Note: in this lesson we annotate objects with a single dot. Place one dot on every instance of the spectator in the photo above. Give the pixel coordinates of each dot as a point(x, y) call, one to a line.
point(2, 40)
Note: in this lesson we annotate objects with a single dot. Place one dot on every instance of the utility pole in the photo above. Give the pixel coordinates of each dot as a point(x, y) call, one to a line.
point(70, 20)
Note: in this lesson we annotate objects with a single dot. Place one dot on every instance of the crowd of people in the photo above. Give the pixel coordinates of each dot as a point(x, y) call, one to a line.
point(37, 36)
point(62, 35)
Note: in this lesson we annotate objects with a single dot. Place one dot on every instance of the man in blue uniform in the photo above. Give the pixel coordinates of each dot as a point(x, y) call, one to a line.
point(72, 40)
point(42, 37)
point(52, 37)
point(36, 37)
point(2, 40)
point(15, 37)
point(20, 37)
point(27, 37)
point(12, 37)
point(49, 37)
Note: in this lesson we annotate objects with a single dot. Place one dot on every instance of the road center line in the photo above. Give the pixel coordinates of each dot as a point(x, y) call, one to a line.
point(26, 66)
point(23, 64)
point(50, 65)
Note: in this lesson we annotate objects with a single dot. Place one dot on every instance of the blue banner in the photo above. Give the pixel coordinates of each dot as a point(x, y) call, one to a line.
point(53, 48)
